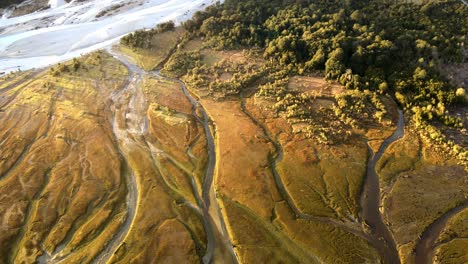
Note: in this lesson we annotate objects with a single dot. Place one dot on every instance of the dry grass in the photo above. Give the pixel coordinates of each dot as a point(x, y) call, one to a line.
point(325, 180)
point(322, 180)
point(328, 243)
point(239, 57)
point(64, 170)
point(66, 178)
point(261, 241)
point(173, 127)
point(172, 231)
point(419, 186)
point(285, 239)
point(192, 45)
point(54, 136)
point(453, 240)
point(244, 178)
point(242, 153)
point(453, 252)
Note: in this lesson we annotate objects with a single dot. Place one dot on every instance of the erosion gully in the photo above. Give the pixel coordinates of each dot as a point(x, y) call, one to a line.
point(127, 124)
point(212, 216)
point(219, 246)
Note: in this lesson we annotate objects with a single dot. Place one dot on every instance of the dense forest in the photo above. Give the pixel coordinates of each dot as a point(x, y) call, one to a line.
point(383, 46)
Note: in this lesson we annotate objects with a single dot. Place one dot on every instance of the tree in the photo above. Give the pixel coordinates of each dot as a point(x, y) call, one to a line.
point(166, 26)
point(317, 61)
point(334, 66)
point(419, 74)
point(356, 16)
point(210, 27)
point(358, 60)
point(400, 98)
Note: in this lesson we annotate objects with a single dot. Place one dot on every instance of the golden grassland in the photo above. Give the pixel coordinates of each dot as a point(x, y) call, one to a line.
point(172, 231)
point(176, 131)
point(156, 211)
point(419, 186)
point(250, 197)
point(66, 170)
point(322, 180)
point(315, 85)
point(453, 241)
point(252, 201)
point(61, 191)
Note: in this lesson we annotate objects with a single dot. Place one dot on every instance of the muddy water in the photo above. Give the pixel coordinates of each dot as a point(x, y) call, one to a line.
point(379, 232)
point(425, 247)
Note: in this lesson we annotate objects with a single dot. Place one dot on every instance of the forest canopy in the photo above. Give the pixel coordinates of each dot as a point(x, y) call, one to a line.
point(383, 46)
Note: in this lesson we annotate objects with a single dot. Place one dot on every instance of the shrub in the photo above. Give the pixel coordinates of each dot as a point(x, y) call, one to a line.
point(166, 26)
point(460, 93)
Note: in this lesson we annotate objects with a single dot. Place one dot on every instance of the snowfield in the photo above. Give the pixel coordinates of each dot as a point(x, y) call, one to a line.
point(68, 30)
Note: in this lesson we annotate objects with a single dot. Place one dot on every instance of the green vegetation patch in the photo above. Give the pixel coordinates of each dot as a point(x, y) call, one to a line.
point(152, 47)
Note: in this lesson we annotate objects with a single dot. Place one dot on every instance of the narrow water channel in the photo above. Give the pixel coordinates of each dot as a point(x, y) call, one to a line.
point(219, 246)
point(425, 247)
point(211, 212)
point(274, 160)
point(379, 232)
